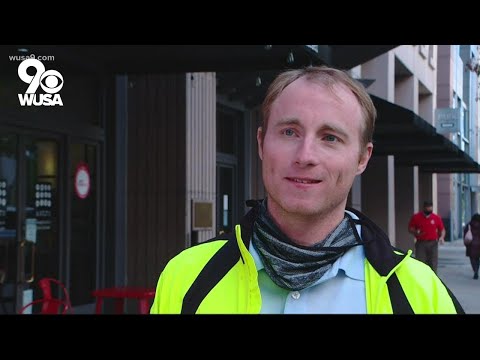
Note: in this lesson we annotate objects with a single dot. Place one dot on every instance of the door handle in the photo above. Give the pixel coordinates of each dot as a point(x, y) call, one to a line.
point(23, 245)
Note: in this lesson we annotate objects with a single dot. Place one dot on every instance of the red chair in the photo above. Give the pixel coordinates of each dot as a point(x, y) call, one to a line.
point(51, 305)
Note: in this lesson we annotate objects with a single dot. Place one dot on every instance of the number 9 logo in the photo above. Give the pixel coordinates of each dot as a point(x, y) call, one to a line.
point(51, 81)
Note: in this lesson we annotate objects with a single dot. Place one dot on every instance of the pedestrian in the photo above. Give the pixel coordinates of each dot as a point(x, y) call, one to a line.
point(473, 249)
point(429, 231)
point(300, 250)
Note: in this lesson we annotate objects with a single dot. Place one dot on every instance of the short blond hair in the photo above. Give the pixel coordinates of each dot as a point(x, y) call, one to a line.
point(328, 77)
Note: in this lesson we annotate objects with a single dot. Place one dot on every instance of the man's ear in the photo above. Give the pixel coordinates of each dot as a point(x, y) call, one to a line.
point(260, 142)
point(365, 156)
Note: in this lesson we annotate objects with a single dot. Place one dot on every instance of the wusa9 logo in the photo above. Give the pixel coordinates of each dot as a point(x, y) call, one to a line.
point(51, 81)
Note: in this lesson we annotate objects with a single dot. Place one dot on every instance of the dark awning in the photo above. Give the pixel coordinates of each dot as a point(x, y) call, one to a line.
point(196, 58)
point(414, 141)
point(348, 56)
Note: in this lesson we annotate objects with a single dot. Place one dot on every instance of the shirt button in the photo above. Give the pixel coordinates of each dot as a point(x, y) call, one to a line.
point(295, 295)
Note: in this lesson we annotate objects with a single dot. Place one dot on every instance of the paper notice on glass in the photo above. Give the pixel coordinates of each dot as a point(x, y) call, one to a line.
point(31, 230)
point(27, 299)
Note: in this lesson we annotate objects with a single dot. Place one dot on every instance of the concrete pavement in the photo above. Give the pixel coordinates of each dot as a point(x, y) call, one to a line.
point(455, 271)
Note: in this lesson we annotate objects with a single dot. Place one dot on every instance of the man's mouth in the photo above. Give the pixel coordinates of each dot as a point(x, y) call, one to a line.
point(304, 181)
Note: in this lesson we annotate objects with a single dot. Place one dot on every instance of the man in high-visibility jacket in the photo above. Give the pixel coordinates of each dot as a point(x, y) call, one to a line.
point(300, 250)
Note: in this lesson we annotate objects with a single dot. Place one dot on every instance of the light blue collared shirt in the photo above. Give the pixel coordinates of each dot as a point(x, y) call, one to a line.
point(341, 290)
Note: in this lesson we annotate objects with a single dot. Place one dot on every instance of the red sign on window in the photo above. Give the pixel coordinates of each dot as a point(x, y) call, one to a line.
point(82, 180)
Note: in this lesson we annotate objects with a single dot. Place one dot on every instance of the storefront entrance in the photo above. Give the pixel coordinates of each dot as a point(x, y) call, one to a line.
point(48, 216)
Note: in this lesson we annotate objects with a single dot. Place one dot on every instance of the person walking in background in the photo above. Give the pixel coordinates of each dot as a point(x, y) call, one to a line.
point(428, 229)
point(473, 249)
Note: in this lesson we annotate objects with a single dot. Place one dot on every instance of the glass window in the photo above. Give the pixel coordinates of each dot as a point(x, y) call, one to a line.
point(227, 125)
point(41, 207)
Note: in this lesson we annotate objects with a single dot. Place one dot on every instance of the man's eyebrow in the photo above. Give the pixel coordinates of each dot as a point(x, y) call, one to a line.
point(288, 121)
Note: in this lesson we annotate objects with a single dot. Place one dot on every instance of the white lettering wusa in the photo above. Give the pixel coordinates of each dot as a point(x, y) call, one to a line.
point(51, 81)
point(39, 100)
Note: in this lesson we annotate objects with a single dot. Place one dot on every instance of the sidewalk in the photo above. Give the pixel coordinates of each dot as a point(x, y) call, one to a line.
point(455, 271)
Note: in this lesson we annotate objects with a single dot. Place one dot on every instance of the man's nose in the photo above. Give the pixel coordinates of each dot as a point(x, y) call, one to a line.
point(307, 153)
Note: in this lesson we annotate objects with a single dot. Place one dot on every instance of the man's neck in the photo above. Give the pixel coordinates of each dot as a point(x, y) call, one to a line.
point(307, 230)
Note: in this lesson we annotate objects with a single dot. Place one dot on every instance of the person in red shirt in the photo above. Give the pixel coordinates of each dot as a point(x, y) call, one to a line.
point(428, 229)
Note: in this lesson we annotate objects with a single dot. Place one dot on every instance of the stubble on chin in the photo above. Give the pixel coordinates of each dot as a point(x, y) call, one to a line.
point(293, 208)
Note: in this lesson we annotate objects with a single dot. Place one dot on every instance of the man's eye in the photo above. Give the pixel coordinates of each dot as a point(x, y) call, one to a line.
point(289, 132)
point(330, 138)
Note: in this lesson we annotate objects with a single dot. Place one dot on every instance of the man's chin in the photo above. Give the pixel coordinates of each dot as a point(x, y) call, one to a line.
point(302, 208)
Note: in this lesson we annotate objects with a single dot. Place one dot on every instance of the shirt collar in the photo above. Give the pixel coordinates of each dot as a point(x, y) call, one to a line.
point(352, 262)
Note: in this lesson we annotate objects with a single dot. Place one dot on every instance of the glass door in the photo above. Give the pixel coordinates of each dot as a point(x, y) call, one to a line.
point(49, 211)
point(39, 247)
point(226, 198)
point(229, 165)
point(29, 224)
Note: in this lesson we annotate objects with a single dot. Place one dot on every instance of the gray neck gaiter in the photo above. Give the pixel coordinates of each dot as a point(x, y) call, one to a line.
point(295, 267)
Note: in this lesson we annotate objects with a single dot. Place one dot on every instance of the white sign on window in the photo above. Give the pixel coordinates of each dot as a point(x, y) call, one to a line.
point(447, 120)
point(31, 230)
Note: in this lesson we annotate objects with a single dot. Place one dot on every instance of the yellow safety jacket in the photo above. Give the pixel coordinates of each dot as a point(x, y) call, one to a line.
point(219, 277)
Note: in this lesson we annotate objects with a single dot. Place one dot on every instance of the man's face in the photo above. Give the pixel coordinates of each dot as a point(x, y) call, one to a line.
point(312, 151)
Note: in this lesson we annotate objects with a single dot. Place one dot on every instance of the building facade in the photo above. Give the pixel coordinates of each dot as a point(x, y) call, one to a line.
point(458, 89)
